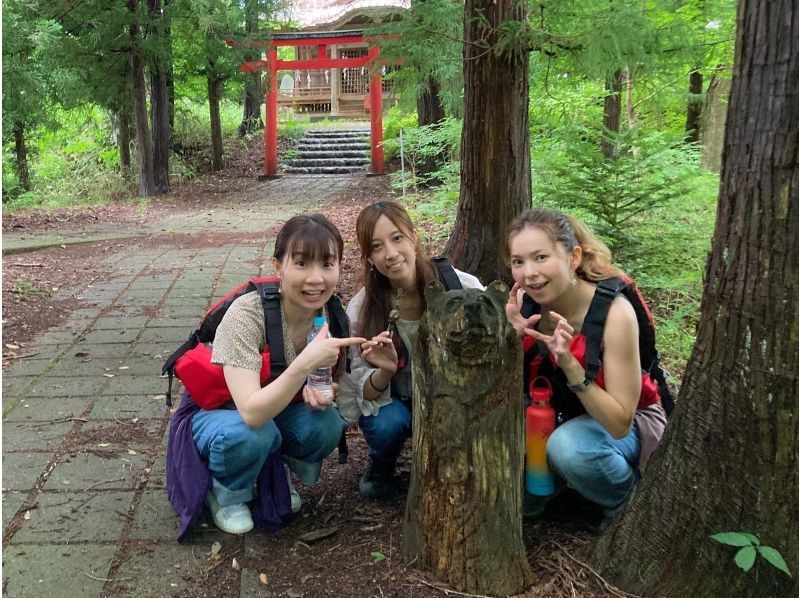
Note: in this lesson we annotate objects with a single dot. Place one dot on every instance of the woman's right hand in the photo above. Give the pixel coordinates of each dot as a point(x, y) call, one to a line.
point(514, 311)
point(380, 352)
point(323, 352)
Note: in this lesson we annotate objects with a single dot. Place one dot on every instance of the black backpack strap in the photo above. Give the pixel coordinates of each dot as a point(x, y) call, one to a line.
point(169, 364)
point(273, 327)
point(595, 322)
point(447, 274)
point(339, 324)
point(529, 307)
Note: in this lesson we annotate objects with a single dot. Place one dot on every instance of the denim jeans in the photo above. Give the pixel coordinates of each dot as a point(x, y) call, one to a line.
point(601, 468)
point(387, 431)
point(235, 453)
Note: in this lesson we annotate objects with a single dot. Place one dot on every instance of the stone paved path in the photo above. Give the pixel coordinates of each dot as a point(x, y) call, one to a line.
point(84, 506)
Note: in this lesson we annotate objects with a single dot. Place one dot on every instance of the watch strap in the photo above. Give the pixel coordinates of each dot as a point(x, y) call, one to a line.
point(581, 386)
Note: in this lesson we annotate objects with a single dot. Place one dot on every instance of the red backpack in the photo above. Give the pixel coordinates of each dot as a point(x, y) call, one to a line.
point(191, 362)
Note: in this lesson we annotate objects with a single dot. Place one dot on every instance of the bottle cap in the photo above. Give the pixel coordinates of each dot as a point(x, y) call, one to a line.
point(319, 321)
point(540, 390)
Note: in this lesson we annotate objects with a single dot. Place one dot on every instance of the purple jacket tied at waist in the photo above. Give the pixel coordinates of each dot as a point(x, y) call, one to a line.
point(188, 478)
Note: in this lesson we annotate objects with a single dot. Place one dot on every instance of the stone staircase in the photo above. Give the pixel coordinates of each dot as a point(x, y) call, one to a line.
point(330, 152)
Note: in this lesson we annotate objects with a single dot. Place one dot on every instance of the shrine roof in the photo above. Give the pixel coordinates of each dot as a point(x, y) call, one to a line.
point(313, 14)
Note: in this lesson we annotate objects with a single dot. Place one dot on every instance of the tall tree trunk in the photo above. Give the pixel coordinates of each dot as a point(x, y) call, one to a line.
point(495, 147)
point(213, 84)
point(714, 113)
point(159, 96)
point(729, 461)
point(612, 110)
point(253, 90)
point(430, 111)
point(694, 106)
point(463, 517)
point(124, 141)
point(21, 155)
point(144, 145)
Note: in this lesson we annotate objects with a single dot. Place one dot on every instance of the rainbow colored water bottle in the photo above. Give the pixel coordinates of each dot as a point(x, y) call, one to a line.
point(540, 421)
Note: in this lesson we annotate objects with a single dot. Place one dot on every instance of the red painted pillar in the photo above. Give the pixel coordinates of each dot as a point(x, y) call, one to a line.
point(376, 113)
point(271, 130)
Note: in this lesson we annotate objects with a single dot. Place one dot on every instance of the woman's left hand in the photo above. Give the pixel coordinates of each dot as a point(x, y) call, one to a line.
point(558, 342)
point(316, 400)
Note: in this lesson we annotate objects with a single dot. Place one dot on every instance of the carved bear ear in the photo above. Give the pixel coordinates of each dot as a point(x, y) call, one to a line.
point(434, 291)
point(499, 290)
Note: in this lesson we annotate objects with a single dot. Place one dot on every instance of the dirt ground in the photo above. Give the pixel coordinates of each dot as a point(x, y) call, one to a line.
point(554, 542)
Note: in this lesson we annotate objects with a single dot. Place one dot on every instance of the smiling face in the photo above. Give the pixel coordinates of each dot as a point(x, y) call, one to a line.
point(307, 280)
point(392, 252)
point(542, 267)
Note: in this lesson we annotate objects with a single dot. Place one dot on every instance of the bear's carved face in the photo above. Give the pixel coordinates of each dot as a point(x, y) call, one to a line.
point(469, 324)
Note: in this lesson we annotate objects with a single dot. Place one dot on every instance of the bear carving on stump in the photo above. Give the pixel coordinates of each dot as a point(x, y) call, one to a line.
point(463, 519)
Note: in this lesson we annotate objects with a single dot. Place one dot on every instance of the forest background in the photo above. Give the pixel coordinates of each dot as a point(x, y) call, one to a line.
point(116, 102)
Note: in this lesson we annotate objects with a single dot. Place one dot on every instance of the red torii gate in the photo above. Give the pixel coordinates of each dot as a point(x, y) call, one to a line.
point(320, 39)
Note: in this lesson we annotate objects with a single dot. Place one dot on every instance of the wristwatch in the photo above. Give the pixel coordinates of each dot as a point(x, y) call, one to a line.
point(581, 386)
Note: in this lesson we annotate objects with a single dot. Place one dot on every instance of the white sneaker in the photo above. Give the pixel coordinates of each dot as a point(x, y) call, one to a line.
point(294, 495)
point(234, 519)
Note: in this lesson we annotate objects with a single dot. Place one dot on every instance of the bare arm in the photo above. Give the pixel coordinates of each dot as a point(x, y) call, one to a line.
point(258, 405)
point(615, 405)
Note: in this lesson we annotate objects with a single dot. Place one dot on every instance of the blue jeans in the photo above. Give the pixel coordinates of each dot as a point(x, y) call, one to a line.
point(590, 460)
point(387, 431)
point(235, 453)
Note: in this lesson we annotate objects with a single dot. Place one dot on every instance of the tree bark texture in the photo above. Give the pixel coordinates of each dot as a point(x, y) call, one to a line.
point(495, 146)
point(124, 141)
point(21, 156)
point(694, 106)
point(214, 85)
point(253, 90)
point(714, 114)
point(430, 111)
point(728, 462)
point(159, 96)
point(463, 518)
point(144, 144)
point(612, 111)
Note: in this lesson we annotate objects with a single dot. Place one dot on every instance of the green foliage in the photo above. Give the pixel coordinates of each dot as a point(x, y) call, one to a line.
point(293, 129)
point(395, 119)
point(377, 557)
point(26, 289)
point(439, 139)
point(749, 547)
point(645, 172)
point(427, 41)
point(72, 163)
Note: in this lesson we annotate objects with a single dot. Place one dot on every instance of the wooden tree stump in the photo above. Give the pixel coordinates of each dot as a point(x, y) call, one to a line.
point(463, 518)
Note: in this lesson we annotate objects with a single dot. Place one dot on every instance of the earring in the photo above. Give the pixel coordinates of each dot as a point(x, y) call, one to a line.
point(573, 281)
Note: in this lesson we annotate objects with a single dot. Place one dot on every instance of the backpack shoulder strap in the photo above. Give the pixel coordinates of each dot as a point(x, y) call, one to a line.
point(447, 274)
point(271, 303)
point(529, 306)
point(595, 322)
point(340, 324)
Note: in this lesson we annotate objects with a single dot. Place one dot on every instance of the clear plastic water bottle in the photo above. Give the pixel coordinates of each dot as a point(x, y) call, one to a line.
point(320, 379)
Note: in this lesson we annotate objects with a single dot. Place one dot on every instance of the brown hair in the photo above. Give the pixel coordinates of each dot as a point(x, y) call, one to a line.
point(374, 315)
point(311, 235)
point(569, 232)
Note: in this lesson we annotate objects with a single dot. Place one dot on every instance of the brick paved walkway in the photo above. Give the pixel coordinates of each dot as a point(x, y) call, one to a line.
point(84, 420)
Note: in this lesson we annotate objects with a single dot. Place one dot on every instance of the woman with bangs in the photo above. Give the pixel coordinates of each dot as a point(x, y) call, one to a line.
point(377, 391)
point(284, 416)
